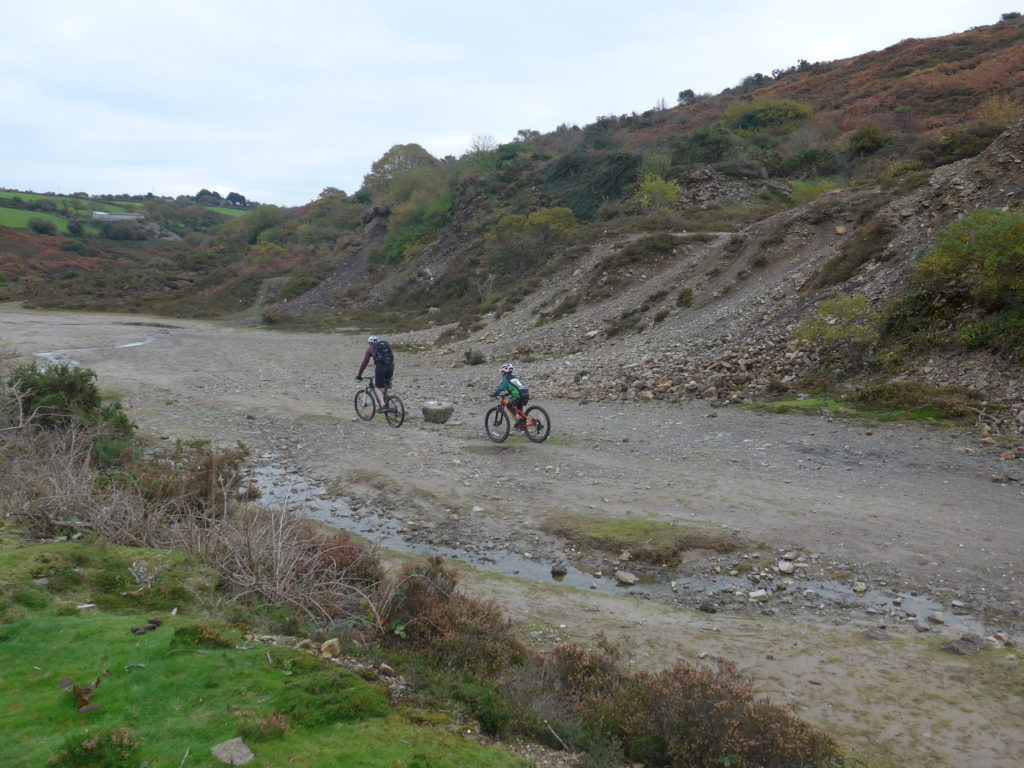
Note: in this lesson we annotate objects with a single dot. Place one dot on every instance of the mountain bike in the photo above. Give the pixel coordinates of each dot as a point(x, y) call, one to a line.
point(367, 405)
point(536, 423)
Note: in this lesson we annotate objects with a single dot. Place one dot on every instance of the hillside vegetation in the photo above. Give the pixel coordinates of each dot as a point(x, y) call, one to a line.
point(810, 183)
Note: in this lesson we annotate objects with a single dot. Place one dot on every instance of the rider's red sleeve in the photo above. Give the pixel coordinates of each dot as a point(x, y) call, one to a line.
point(366, 359)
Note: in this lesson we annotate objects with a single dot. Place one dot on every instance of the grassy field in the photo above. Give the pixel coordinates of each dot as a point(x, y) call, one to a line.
point(19, 219)
point(166, 696)
point(228, 211)
point(73, 202)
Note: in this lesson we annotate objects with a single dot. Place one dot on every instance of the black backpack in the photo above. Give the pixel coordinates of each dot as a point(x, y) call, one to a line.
point(384, 354)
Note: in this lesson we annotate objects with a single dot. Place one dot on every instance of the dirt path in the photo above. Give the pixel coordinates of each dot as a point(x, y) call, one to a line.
point(911, 513)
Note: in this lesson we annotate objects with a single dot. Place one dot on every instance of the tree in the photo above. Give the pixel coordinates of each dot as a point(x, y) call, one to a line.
point(236, 199)
point(482, 143)
point(526, 134)
point(524, 241)
point(398, 160)
point(687, 97)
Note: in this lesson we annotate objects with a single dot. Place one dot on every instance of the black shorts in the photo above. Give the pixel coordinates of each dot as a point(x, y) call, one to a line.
point(520, 402)
point(382, 376)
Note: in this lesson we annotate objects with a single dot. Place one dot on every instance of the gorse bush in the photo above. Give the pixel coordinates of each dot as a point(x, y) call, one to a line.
point(764, 113)
point(971, 283)
point(62, 394)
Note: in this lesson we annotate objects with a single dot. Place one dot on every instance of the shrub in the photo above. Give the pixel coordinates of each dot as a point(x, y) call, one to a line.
point(960, 143)
point(842, 329)
point(970, 282)
point(584, 180)
point(62, 394)
point(109, 748)
point(42, 226)
point(764, 113)
point(690, 717)
point(656, 194)
point(810, 163)
point(704, 145)
point(867, 140)
point(425, 609)
point(331, 696)
point(519, 242)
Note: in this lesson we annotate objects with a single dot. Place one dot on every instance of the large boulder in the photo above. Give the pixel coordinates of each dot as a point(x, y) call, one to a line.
point(435, 412)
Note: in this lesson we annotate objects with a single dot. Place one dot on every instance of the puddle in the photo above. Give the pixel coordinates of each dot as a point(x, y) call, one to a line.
point(63, 356)
point(282, 487)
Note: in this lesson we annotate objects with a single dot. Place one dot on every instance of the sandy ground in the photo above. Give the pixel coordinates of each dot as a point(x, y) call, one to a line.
point(921, 516)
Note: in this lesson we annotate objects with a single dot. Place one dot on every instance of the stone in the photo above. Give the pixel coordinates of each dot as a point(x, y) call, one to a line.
point(233, 752)
point(966, 645)
point(937, 617)
point(786, 566)
point(385, 670)
point(435, 412)
point(559, 569)
point(626, 578)
point(759, 596)
point(860, 587)
point(331, 649)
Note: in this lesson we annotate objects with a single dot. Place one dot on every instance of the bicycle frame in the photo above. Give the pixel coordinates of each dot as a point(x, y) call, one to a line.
point(530, 421)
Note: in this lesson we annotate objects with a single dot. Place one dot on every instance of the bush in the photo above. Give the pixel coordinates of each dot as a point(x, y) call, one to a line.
point(584, 180)
point(690, 717)
point(764, 113)
point(42, 226)
point(972, 283)
point(109, 748)
point(63, 394)
point(704, 145)
point(867, 140)
point(811, 163)
point(960, 143)
point(842, 329)
point(519, 242)
point(457, 631)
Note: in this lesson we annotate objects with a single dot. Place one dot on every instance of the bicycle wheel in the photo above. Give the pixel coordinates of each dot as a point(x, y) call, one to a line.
point(394, 411)
point(365, 407)
point(497, 424)
point(538, 424)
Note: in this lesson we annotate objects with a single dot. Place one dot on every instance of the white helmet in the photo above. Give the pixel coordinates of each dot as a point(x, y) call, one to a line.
point(508, 368)
point(372, 340)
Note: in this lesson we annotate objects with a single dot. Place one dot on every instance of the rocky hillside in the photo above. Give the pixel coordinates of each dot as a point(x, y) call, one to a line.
point(746, 292)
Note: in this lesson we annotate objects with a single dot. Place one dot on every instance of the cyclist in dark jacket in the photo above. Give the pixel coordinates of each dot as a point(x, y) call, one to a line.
point(383, 367)
point(518, 393)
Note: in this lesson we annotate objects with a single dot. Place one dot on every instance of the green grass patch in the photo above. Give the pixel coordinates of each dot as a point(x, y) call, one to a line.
point(888, 401)
point(650, 541)
point(17, 218)
point(156, 696)
point(233, 212)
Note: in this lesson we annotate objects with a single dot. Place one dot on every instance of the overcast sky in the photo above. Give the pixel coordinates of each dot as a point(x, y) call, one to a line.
point(277, 100)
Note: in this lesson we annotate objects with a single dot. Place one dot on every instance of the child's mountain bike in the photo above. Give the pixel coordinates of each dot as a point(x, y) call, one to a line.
point(367, 405)
point(536, 424)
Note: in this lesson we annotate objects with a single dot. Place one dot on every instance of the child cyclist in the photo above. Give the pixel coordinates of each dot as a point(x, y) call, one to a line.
point(518, 393)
